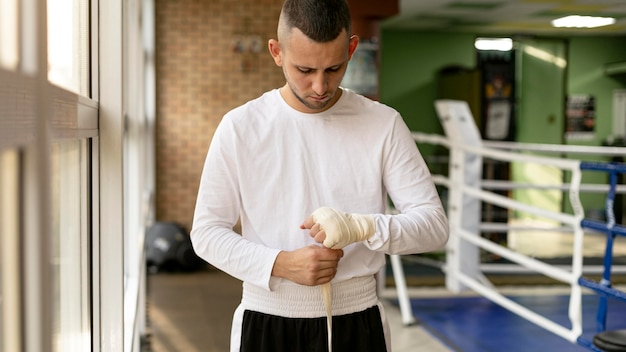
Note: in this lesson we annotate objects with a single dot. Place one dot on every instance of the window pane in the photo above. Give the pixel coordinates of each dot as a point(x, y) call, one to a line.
point(69, 247)
point(9, 249)
point(8, 34)
point(68, 44)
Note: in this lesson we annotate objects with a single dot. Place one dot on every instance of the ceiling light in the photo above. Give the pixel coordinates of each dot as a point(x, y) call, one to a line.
point(499, 44)
point(576, 21)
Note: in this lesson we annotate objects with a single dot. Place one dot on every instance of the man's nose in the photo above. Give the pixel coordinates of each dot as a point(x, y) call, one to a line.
point(320, 83)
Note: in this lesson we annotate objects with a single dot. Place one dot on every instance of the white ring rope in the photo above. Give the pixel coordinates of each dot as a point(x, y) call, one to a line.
point(510, 151)
point(558, 148)
point(507, 185)
point(537, 265)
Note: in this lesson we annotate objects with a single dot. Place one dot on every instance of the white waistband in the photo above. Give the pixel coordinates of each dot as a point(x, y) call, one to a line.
point(298, 301)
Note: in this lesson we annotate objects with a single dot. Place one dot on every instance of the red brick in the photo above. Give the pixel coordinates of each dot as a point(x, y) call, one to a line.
point(199, 79)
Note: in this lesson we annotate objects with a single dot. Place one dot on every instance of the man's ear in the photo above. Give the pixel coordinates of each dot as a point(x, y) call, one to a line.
point(274, 47)
point(354, 42)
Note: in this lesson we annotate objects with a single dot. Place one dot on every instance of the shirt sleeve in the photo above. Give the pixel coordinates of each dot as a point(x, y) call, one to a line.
point(217, 212)
point(421, 224)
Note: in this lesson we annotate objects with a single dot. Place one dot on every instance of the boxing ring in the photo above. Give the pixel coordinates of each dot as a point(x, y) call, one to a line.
point(466, 191)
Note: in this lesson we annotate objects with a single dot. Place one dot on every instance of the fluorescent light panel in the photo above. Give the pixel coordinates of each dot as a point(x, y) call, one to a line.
point(576, 21)
point(499, 44)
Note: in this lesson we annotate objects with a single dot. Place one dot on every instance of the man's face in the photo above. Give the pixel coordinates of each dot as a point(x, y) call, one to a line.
point(313, 70)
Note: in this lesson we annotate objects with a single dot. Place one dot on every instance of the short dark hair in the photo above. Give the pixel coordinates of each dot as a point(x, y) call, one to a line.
point(320, 20)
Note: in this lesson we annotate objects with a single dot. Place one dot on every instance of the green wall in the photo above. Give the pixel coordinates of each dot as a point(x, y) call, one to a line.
point(588, 55)
point(410, 62)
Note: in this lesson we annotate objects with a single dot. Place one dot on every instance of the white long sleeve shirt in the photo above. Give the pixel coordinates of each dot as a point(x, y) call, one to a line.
point(272, 166)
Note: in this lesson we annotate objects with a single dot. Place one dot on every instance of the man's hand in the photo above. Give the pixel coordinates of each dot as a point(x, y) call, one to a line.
point(336, 229)
point(315, 229)
point(312, 265)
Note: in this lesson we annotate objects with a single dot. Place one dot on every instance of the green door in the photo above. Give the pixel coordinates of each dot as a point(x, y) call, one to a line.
point(540, 80)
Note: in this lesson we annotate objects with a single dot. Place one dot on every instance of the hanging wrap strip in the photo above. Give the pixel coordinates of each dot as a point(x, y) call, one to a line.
point(327, 295)
point(341, 230)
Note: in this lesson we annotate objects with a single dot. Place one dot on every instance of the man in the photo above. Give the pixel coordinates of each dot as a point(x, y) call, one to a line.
point(305, 167)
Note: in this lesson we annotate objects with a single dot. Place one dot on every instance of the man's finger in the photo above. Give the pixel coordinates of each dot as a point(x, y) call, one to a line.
point(320, 236)
point(308, 223)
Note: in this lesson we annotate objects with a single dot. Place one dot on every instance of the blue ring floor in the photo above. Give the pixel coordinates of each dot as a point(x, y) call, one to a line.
point(475, 324)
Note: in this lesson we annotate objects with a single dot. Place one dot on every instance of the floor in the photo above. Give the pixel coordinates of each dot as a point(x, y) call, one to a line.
point(476, 324)
point(192, 312)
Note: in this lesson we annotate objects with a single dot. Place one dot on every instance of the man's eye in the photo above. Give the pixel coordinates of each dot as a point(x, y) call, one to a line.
point(333, 69)
point(302, 70)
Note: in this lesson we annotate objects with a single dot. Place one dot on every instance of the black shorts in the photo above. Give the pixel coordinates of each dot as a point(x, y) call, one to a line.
point(361, 331)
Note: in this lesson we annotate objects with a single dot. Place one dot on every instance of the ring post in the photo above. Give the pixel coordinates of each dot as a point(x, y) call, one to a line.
point(462, 257)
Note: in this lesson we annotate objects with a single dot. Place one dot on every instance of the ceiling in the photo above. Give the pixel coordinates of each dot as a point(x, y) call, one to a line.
point(506, 17)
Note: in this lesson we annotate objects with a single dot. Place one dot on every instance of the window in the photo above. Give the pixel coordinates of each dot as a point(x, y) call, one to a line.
point(69, 177)
point(8, 34)
point(56, 144)
point(9, 249)
point(68, 54)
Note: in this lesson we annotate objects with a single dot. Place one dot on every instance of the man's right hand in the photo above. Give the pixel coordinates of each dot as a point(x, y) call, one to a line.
point(312, 265)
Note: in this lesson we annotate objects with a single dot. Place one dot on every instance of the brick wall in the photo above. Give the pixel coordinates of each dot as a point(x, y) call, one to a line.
point(199, 78)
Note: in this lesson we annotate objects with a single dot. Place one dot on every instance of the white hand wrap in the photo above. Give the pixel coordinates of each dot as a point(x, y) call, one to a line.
point(341, 228)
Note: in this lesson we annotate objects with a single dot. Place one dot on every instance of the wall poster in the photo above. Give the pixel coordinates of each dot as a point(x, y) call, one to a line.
point(498, 75)
point(580, 113)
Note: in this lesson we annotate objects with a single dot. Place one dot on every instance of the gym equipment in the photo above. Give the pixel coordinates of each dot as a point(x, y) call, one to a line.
point(168, 248)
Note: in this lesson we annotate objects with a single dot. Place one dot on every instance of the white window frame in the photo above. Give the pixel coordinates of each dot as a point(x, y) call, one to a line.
point(26, 102)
